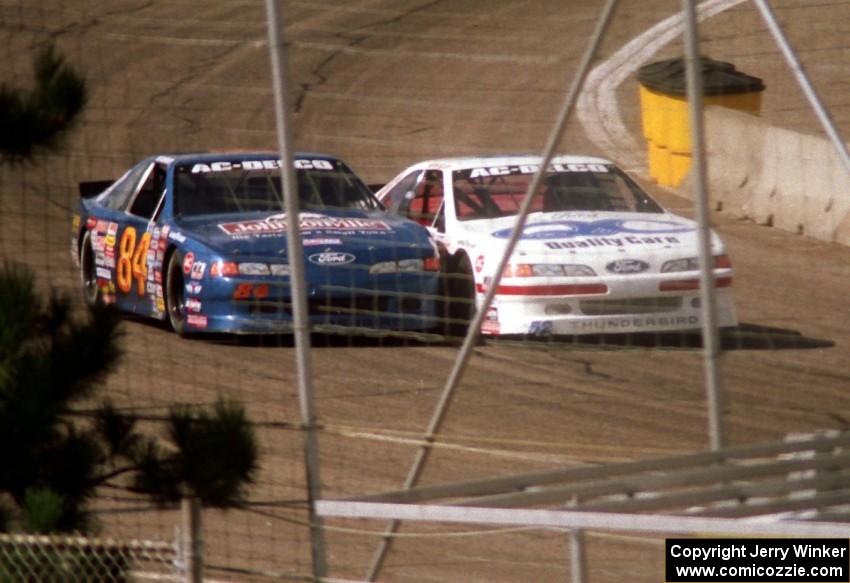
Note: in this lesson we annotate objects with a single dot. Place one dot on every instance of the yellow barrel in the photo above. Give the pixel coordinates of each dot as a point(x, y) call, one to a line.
point(664, 109)
point(658, 160)
point(649, 109)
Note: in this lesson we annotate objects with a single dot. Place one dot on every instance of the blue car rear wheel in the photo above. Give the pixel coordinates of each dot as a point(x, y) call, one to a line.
point(175, 301)
point(88, 272)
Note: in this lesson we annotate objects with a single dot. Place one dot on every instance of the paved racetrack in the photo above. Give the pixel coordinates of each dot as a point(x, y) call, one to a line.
point(384, 83)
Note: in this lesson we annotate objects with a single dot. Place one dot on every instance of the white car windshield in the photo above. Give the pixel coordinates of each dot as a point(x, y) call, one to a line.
point(489, 192)
point(255, 185)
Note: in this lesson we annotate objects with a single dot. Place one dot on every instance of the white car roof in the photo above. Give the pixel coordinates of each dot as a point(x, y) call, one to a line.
point(463, 162)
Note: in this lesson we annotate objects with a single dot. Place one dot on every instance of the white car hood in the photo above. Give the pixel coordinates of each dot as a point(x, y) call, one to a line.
point(595, 236)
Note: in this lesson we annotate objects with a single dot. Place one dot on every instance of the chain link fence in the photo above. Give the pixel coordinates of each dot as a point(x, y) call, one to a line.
point(68, 559)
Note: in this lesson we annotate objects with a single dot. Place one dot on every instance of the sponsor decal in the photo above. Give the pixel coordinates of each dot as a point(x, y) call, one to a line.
point(532, 168)
point(246, 291)
point(490, 324)
point(196, 320)
point(177, 236)
point(193, 304)
point(540, 328)
point(151, 289)
point(75, 239)
point(198, 269)
point(111, 232)
point(193, 288)
point(97, 241)
point(91, 223)
point(483, 286)
point(227, 166)
point(160, 304)
point(627, 266)
point(613, 242)
point(479, 264)
point(103, 272)
point(188, 261)
point(321, 241)
point(331, 258)
point(624, 228)
point(313, 165)
point(276, 224)
point(635, 323)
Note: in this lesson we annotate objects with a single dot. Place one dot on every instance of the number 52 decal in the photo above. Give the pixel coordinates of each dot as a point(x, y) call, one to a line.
point(131, 261)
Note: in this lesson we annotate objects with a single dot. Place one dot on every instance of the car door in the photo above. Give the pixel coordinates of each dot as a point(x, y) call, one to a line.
point(136, 244)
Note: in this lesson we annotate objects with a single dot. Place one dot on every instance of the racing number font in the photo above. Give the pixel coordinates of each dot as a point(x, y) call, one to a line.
point(131, 261)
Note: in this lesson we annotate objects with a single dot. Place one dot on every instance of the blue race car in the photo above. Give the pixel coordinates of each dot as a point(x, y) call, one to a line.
point(199, 240)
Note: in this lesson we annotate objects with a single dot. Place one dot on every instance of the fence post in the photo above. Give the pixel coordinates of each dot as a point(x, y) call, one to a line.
point(578, 566)
point(577, 557)
point(193, 543)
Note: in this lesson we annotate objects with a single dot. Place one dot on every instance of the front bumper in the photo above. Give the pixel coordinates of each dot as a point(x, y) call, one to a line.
point(620, 309)
point(263, 306)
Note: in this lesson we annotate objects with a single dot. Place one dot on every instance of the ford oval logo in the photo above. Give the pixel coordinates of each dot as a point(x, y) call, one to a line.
point(624, 266)
point(331, 258)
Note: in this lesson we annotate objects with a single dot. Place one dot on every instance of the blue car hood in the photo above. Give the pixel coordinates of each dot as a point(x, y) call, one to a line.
point(263, 234)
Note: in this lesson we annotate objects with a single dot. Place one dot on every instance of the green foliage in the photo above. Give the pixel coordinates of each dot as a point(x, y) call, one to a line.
point(51, 362)
point(43, 510)
point(39, 118)
point(214, 456)
point(52, 460)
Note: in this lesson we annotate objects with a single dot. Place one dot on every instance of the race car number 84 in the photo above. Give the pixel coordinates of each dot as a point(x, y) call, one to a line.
point(131, 261)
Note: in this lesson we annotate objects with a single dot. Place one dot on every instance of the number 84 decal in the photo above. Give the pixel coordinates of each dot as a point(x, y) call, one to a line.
point(132, 261)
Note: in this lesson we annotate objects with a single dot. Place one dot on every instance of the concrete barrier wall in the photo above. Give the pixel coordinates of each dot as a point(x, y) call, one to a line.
point(775, 176)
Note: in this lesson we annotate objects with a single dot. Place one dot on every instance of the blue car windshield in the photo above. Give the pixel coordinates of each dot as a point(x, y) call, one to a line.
point(235, 186)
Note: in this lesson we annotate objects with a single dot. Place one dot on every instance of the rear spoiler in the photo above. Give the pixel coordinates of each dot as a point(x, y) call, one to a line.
point(94, 187)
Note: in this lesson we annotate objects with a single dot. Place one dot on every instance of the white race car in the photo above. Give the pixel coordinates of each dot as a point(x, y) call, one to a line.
point(597, 254)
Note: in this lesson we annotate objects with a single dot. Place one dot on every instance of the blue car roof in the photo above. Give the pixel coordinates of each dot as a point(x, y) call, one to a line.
point(239, 155)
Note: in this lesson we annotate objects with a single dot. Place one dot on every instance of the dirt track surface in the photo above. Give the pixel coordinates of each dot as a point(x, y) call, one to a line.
point(383, 84)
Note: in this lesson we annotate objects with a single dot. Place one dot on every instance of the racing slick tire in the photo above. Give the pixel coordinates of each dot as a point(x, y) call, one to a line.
point(88, 273)
point(175, 294)
point(458, 305)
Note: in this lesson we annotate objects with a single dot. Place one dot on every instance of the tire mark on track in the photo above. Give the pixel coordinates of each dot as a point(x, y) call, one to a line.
point(350, 43)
